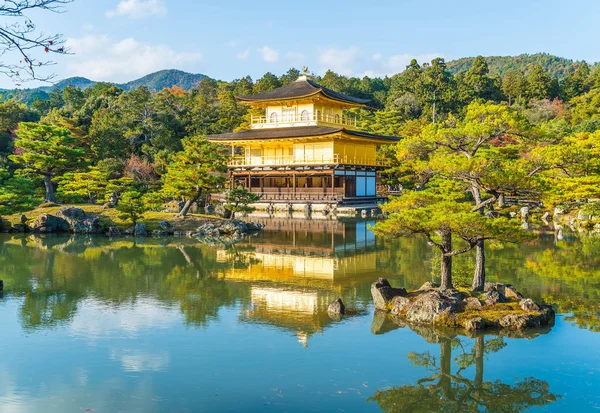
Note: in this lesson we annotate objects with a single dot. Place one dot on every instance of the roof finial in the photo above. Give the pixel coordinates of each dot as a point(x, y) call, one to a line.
point(304, 75)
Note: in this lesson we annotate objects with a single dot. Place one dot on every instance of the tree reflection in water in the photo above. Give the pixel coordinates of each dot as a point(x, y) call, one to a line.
point(449, 389)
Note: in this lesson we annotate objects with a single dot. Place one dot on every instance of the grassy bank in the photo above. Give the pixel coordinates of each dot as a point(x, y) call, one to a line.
point(110, 217)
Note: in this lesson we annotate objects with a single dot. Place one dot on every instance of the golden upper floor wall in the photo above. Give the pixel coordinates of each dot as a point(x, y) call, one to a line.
point(354, 152)
point(304, 113)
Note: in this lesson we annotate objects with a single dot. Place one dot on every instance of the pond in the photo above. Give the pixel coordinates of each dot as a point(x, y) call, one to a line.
point(173, 325)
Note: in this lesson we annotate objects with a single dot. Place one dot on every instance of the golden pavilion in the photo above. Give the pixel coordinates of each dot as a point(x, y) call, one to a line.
point(305, 149)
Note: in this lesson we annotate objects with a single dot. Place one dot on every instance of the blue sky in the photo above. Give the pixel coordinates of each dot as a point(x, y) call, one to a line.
point(120, 40)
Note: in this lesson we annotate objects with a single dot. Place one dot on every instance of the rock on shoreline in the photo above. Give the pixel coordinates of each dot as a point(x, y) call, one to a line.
point(75, 220)
point(500, 306)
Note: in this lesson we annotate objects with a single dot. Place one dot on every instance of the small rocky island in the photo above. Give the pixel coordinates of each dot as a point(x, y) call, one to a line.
point(499, 306)
point(75, 220)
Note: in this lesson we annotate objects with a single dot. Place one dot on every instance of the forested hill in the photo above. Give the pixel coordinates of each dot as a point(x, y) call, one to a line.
point(558, 67)
point(154, 81)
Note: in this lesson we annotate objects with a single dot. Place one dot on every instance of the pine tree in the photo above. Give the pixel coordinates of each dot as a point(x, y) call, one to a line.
point(195, 171)
point(48, 151)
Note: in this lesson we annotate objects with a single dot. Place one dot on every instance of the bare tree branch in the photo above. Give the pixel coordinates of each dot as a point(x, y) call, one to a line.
point(21, 43)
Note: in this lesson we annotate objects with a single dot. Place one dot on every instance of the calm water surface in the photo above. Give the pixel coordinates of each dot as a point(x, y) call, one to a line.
point(173, 325)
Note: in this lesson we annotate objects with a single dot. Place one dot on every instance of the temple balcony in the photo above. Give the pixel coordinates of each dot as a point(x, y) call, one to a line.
point(280, 161)
point(302, 119)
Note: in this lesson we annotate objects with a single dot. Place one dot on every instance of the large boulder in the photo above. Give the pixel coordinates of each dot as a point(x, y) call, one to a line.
point(71, 214)
point(383, 293)
point(337, 307)
point(140, 229)
point(519, 321)
point(400, 304)
point(21, 228)
point(429, 306)
point(165, 226)
point(46, 223)
point(113, 232)
point(253, 226)
point(510, 292)
point(527, 304)
point(208, 229)
point(428, 286)
point(88, 225)
point(233, 226)
point(476, 323)
point(221, 211)
point(472, 303)
point(494, 297)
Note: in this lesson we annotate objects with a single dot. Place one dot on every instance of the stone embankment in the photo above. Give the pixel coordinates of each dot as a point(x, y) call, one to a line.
point(499, 306)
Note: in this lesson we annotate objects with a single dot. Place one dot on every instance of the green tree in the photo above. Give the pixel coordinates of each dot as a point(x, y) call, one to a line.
point(17, 192)
point(448, 391)
point(514, 85)
point(48, 151)
point(195, 171)
point(436, 87)
point(539, 84)
point(239, 200)
point(577, 82)
point(481, 153)
point(90, 185)
point(268, 82)
point(477, 78)
point(441, 214)
point(132, 205)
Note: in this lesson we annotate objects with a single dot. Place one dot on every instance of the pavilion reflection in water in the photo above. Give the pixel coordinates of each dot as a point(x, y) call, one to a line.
point(298, 267)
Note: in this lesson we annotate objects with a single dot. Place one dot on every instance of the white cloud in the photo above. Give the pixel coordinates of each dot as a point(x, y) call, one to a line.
point(137, 361)
point(353, 62)
point(99, 57)
point(138, 9)
point(295, 57)
point(342, 61)
point(269, 54)
point(397, 63)
point(243, 55)
point(95, 320)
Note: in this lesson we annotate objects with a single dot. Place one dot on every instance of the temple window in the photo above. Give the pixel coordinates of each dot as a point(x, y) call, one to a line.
point(288, 114)
point(273, 118)
point(304, 115)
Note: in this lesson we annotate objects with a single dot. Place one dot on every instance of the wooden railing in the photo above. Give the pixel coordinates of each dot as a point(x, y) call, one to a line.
point(299, 194)
point(334, 159)
point(306, 118)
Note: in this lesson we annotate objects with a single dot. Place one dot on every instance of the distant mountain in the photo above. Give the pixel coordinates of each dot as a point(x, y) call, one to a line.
point(154, 81)
point(164, 79)
point(557, 67)
point(80, 82)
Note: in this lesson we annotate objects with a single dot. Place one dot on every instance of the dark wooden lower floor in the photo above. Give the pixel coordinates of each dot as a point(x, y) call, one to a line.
point(333, 185)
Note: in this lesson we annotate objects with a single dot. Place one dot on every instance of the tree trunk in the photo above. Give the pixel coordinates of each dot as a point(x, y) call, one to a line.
point(446, 262)
point(479, 275)
point(186, 207)
point(479, 353)
point(445, 366)
point(49, 189)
